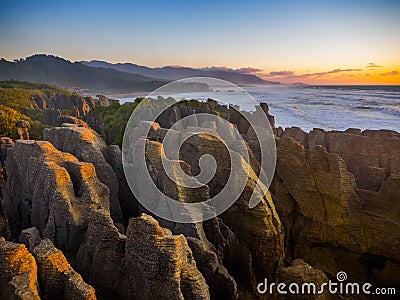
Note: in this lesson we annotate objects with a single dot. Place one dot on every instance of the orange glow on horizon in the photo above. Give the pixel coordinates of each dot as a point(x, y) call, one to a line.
point(364, 76)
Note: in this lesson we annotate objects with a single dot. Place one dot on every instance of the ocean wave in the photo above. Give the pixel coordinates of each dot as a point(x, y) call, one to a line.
point(334, 108)
point(390, 110)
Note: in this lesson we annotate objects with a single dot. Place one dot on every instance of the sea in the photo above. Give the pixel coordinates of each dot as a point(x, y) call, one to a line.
point(330, 107)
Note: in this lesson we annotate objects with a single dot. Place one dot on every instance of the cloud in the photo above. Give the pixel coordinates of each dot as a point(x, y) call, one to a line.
point(335, 71)
point(247, 70)
point(281, 73)
point(392, 73)
point(373, 65)
point(345, 70)
point(291, 74)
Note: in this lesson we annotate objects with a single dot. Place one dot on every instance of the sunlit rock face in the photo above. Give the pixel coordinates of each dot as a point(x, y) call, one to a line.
point(18, 278)
point(86, 145)
point(149, 249)
point(51, 190)
point(57, 278)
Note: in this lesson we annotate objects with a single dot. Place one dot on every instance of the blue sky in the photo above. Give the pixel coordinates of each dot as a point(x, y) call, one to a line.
point(302, 36)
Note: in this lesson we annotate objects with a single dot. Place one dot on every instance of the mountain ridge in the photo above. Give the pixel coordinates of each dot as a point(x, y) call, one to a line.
point(50, 69)
point(175, 73)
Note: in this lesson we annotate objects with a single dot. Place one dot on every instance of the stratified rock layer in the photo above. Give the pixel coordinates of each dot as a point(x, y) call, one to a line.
point(336, 195)
point(300, 273)
point(256, 234)
point(77, 105)
point(57, 278)
point(88, 146)
point(52, 191)
point(18, 272)
point(160, 265)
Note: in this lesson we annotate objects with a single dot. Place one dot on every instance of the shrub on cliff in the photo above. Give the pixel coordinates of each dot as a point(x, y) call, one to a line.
point(47, 89)
point(8, 120)
point(17, 103)
point(16, 97)
point(21, 94)
point(110, 121)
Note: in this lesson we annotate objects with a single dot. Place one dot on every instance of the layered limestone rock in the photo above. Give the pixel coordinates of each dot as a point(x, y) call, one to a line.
point(221, 284)
point(146, 263)
point(258, 228)
point(23, 130)
point(129, 204)
point(77, 105)
point(255, 234)
point(234, 255)
point(30, 237)
point(4, 231)
point(104, 101)
point(161, 265)
point(103, 252)
point(57, 278)
point(5, 144)
point(52, 191)
point(86, 145)
point(232, 113)
point(63, 120)
point(74, 213)
point(300, 273)
point(329, 220)
point(371, 155)
point(265, 109)
point(18, 272)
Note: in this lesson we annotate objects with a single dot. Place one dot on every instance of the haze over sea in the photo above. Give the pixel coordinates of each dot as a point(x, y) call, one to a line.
point(330, 107)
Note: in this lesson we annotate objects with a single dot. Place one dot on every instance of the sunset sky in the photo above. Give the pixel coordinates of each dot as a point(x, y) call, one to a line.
point(315, 42)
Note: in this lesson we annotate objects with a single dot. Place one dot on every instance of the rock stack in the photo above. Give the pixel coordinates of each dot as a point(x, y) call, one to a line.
point(74, 229)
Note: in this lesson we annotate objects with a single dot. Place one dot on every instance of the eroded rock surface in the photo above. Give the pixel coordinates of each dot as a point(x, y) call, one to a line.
point(5, 144)
point(256, 234)
point(57, 278)
point(30, 237)
point(335, 193)
point(299, 273)
point(18, 272)
point(23, 130)
point(103, 252)
point(76, 104)
point(86, 145)
point(52, 191)
point(161, 265)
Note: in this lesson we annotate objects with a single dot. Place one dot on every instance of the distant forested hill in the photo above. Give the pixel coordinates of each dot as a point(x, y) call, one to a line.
point(174, 73)
point(54, 70)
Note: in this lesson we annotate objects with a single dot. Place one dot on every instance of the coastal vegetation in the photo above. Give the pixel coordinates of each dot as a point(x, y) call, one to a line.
point(110, 121)
point(17, 103)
